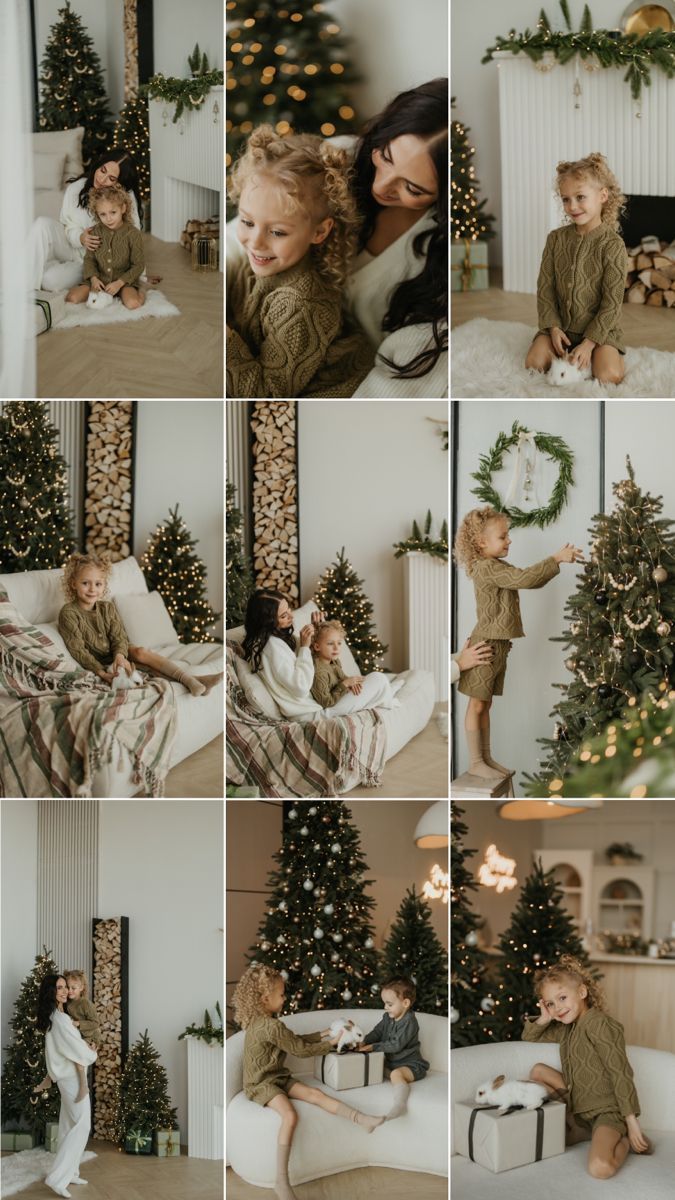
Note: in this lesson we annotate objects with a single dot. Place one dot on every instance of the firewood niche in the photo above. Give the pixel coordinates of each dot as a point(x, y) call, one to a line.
point(108, 505)
point(651, 274)
point(110, 996)
point(275, 497)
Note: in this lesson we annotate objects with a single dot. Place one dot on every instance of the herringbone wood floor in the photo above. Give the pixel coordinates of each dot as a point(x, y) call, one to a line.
point(157, 357)
point(115, 1176)
point(367, 1183)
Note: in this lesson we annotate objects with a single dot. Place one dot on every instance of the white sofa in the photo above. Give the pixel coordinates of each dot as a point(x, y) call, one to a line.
point(38, 597)
point(324, 1144)
point(640, 1178)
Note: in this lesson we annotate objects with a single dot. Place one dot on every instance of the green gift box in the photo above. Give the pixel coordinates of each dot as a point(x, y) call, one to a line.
point(167, 1143)
point(52, 1136)
point(8, 1140)
point(137, 1141)
point(24, 1141)
point(469, 266)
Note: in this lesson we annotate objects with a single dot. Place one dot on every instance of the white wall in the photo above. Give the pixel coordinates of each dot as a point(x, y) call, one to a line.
point(18, 832)
point(179, 459)
point(646, 431)
point(366, 468)
point(161, 865)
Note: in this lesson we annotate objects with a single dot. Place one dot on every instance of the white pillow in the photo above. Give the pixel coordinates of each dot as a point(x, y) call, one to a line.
point(38, 595)
point(145, 619)
point(126, 577)
point(48, 171)
point(67, 142)
point(256, 691)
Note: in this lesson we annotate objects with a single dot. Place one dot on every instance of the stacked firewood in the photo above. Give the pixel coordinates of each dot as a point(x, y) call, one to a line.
point(108, 502)
point(275, 499)
point(107, 1000)
point(651, 273)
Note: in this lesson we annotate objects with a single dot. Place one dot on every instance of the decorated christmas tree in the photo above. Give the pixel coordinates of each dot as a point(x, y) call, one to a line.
point(143, 1101)
point(132, 133)
point(413, 948)
point(172, 568)
point(468, 219)
point(621, 622)
point(238, 581)
point(36, 531)
point(73, 91)
point(288, 67)
point(340, 597)
point(317, 931)
point(471, 1018)
point(25, 1062)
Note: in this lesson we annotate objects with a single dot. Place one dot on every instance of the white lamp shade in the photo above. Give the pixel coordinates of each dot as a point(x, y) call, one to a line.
point(432, 828)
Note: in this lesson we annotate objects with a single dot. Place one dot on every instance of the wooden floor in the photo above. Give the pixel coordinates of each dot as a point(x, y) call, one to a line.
point(117, 1176)
point(199, 776)
point(368, 1183)
point(642, 325)
point(164, 357)
point(420, 769)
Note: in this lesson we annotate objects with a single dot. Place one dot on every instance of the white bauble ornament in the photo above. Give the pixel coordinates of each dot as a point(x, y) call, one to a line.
point(265, 945)
point(334, 957)
point(536, 957)
point(337, 937)
point(315, 969)
point(659, 574)
point(487, 1004)
point(308, 885)
point(282, 905)
point(471, 938)
point(292, 814)
point(284, 974)
point(454, 1015)
point(328, 909)
point(317, 845)
point(312, 811)
point(281, 940)
point(336, 848)
point(374, 987)
point(304, 831)
point(369, 943)
point(346, 995)
point(318, 932)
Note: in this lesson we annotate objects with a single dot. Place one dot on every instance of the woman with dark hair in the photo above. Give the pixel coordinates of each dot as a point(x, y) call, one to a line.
point(64, 1047)
point(57, 248)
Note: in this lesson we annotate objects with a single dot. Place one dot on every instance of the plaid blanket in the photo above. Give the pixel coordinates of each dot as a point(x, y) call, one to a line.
point(58, 726)
point(287, 758)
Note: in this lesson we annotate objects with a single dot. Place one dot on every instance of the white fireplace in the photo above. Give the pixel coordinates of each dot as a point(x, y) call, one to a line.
point(540, 125)
point(187, 177)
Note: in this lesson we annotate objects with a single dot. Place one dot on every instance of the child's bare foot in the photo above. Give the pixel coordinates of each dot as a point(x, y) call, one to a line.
point(83, 1093)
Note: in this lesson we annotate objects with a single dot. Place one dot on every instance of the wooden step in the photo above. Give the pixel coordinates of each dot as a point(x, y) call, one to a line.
point(472, 787)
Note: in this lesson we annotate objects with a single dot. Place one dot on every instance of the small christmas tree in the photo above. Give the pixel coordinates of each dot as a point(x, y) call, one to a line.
point(143, 1101)
point(25, 1063)
point(413, 949)
point(468, 218)
point(339, 595)
point(620, 637)
point(173, 569)
point(36, 531)
point(238, 581)
point(471, 1016)
point(317, 931)
point(73, 92)
point(289, 67)
point(132, 133)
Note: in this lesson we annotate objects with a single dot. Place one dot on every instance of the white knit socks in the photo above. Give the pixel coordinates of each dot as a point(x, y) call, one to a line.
point(359, 1118)
point(477, 765)
point(487, 757)
point(400, 1105)
point(282, 1186)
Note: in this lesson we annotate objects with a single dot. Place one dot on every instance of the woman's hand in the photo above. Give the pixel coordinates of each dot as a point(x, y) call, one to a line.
point(581, 355)
point(568, 553)
point(306, 635)
point(318, 618)
point(113, 288)
point(636, 1137)
point(89, 239)
point(545, 1016)
point(472, 656)
point(95, 284)
point(363, 1049)
point(558, 338)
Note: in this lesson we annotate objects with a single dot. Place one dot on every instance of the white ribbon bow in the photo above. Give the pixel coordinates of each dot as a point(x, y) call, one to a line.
point(525, 462)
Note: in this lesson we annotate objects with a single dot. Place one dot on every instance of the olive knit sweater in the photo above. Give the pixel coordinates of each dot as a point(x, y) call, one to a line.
point(120, 255)
point(581, 284)
point(496, 585)
point(266, 1045)
point(594, 1063)
point(328, 687)
point(93, 637)
point(290, 337)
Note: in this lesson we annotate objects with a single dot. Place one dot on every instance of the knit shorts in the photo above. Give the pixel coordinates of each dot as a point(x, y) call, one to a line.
point(418, 1070)
point(487, 679)
point(268, 1089)
point(592, 1120)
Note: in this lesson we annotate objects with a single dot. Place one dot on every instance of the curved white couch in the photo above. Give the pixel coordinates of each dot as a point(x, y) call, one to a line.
point(644, 1178)
point(324, 1144)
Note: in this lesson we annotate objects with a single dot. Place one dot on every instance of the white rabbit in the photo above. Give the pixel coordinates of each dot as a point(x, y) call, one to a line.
point(124, 681)
point(563, 372)
point(349, 1033)
point(99, 299)
point(513, 1091)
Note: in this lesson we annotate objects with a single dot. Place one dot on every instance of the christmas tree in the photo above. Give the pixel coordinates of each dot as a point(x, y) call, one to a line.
point(468, 218)
point(239, 583)
point(340, 597)
point(143, 1101)
point(620, 638)
point(471, 1008)
point(317, 931)
point(25, 1063)
point(132, 133)
point(539, 932)
point(173, 569)
point(287, 67)
point(413, 949)
point(73, 92)
point(36, 531)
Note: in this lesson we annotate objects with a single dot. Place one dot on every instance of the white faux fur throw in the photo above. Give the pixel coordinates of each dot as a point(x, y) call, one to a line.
point(156, 305)
point(487, 360)
point(26, 1167)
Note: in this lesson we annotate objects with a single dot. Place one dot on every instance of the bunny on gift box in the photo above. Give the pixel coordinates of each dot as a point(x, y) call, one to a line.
point(508, 1093)
point(348, 1034)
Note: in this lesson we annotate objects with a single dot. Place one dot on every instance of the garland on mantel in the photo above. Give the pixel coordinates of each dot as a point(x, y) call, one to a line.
point(610, 47)
point(187, 93)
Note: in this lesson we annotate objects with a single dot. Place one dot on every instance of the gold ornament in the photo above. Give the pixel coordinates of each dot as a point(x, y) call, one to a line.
point(659, 574)
point(663, 629)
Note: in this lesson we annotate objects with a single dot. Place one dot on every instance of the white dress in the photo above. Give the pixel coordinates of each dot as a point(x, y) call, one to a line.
point(65, 1046)
point(54, 247)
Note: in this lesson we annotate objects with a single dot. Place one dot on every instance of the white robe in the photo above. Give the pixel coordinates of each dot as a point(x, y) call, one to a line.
point(289, 677)
point(64, 1046)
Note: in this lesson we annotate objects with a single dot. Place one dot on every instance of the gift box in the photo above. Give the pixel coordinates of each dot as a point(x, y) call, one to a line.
point(50, 308)
point(137, 1141)
point(517, 1137)
point(23, 1141)
point(469, 266)
point(350, 1069)
point(51, 1136)
point(8, 1140)
point(167, 1143)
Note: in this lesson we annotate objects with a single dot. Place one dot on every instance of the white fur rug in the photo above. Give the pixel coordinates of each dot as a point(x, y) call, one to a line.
point(26, 1167)
point(156, 305)
point(488, 357)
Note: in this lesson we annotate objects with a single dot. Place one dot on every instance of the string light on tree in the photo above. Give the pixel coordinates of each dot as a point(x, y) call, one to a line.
point(340, 596)
point(72, 88)
point(25, 1058)
point(141, 1094)
point(468, 219)
point(173, 569)
point(471, 1025)
point(414, 942)
point(36, 529)
point(132, 133)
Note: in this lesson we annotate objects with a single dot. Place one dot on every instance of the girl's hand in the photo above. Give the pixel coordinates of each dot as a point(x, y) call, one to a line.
point(363, 1049)
point(89, 239)
point(472, 656)
point(636, 1137)
point(354, 684)
point(306, 635)
point(113, 288)
point(558, 338)
point(568, 553)
point(545, 1017)
point(95, 284)
point(106, 676)
point(121, 661)
point(581, 355)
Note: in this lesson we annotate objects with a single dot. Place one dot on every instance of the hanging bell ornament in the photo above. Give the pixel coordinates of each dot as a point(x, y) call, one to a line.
point(659, 574)
point(663, 629)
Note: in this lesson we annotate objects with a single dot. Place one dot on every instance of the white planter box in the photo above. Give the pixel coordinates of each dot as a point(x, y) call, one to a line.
point(205, 1099)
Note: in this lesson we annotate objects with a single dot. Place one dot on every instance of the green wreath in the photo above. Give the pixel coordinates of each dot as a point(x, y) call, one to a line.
point(547, 443)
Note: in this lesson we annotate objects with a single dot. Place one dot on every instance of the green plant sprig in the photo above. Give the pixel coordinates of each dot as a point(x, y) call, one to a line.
point(547, 443)
point(208, 1032)
point(186, 93)
point(437, 548)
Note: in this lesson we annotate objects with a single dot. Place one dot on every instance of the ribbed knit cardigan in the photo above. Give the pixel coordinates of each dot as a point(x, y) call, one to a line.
point(496, 585)
point(120, 255)
point(594, 1063)
point(328, 687)
point(93, 637)
point(581, 284)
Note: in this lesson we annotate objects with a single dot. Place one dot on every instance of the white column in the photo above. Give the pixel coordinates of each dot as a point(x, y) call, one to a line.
point(205, 1099)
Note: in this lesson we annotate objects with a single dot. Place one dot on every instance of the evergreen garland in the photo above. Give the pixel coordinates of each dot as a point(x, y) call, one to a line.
point(414, 949)
point(547, 443)
point(184, 93)
point(436, 547)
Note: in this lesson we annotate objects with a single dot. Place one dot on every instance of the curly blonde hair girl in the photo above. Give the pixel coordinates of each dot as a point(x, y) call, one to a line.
point(569, 967)
point(114, 193)
point(321, 629)
point(596, 168)
point(73, 567)
point(313, 177)
point(470, 534)
point(247, 1000)
point(79, 977)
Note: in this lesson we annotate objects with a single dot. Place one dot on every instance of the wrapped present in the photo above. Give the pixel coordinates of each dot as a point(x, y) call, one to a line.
point(137, 1141)
point(8, 1140)
point(517, 1137)
point(52, 1136)
point(469, 263)
point(167, 1143)
point(50, 308)
point(351, 1069)
point(24, 1141)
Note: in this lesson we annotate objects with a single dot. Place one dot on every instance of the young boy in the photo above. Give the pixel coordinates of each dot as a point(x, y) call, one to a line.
point(398, 1034)
point(83, 1014)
